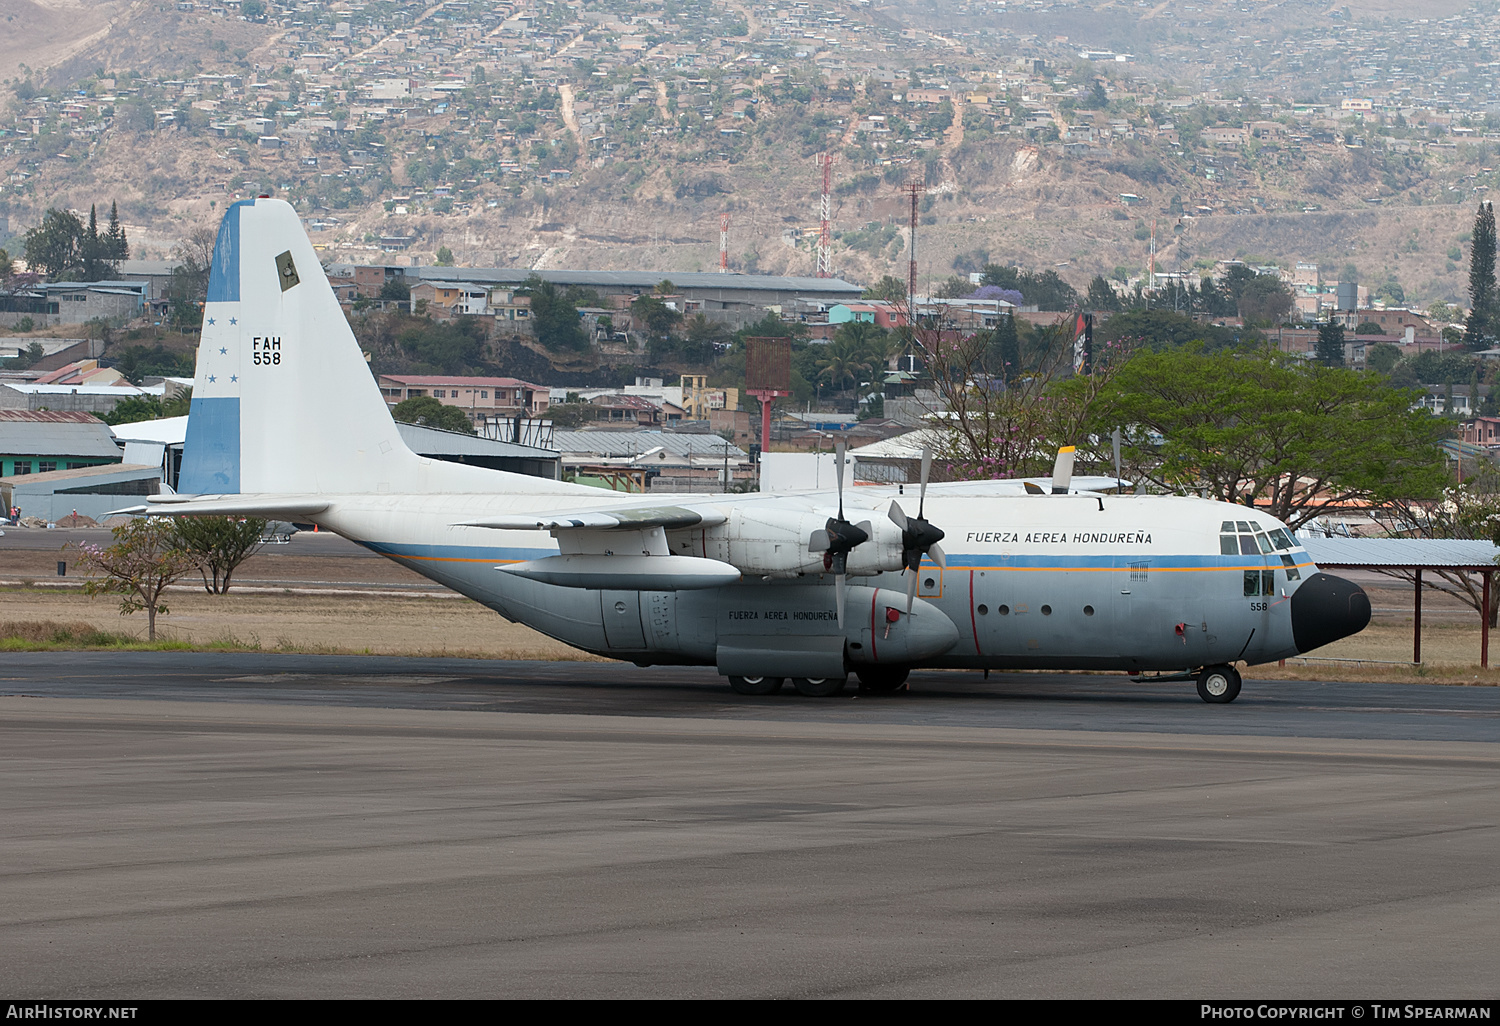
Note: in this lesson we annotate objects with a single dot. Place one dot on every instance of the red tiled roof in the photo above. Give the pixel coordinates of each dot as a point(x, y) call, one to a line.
point(441, 380)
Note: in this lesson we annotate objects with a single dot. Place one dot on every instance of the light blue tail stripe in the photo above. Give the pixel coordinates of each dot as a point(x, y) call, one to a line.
point(211, 450)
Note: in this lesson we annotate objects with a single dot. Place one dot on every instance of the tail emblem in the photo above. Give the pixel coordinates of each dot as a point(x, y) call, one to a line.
point(286, 271)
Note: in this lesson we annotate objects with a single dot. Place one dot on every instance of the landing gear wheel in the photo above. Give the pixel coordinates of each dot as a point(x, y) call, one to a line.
point(1219, 684)
point(882, 680)
point(755, 685)
point(819, 687)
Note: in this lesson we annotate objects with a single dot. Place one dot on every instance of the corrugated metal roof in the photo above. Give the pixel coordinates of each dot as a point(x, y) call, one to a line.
point(105, 473)
point(431, 441)
point(641, 279)
point(167, 430)
point(633, 443)
point(1398, 552)
point(48, 416)
point(50, 438)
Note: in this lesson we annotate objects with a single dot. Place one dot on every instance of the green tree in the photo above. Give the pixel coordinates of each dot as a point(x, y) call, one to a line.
point(55, 247)
point(1005, 351)
point(116, 246)
point(888, 288)
point(444, 257)
point(1478, 330)
point(658, 317)
point(1265, 300)
point(1156, 329)
point(1258, 428)
point(843, 364)
point(1101, 297)
point(220, 544)
point(454, 347)
point(143, 561)
point(133, 410)
point(430, 412)
point(1368, 328)
point(554, 317)
point(397, 289)
point(1329, 349)
point(1382, 357)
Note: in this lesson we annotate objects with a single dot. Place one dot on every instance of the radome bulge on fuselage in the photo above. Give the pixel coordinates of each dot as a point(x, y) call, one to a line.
point(762, 587)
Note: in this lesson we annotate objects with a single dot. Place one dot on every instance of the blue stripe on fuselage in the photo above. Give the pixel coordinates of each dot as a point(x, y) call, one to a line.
point(956, 561)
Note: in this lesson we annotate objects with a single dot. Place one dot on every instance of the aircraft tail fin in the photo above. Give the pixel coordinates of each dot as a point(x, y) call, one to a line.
point(283, 400)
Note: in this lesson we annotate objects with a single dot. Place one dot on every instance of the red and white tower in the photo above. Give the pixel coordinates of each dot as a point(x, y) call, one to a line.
point(825, 218)
point(723, 243)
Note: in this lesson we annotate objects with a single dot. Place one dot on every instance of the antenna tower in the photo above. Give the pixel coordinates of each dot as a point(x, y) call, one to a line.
point(915, 190)
point(723, 243)
point(825, 215)
point(1151, 260)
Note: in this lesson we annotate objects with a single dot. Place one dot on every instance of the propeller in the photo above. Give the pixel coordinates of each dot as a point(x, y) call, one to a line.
point(918, 537)
point(838, 538)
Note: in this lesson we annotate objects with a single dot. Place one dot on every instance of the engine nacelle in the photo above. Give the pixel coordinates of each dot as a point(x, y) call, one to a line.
point(774, 543)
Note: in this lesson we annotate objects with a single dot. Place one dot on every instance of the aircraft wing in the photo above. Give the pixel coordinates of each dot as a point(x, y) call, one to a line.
point(633, 518)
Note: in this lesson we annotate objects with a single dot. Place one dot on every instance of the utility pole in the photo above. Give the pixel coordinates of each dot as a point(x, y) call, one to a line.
point(723, 243)
point(825, 218)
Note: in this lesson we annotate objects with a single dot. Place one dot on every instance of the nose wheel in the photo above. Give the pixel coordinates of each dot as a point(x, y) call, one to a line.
point(1219, 685)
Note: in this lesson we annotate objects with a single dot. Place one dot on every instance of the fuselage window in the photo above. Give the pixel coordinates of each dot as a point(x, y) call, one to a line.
point(1248, 546)
point(1229, 544)
point(1292, 573)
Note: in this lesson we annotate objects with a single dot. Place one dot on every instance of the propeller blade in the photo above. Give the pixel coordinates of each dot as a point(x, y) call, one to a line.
point(897, 516)
point(911, 589)
point(839, 585)
point(838, 473)
point(1062, 470)
point(819, 541)
point(865, 528)
point(937, 555)
point(926, 473)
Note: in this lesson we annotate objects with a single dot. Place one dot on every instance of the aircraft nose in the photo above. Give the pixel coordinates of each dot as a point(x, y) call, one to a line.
point(1326, 608)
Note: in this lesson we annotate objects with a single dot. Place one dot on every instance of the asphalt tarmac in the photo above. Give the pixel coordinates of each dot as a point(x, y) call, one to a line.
point(179, 824)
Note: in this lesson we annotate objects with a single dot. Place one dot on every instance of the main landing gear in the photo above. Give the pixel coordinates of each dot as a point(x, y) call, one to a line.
point(881, 680)
point(812, 687)
point(1219, 684)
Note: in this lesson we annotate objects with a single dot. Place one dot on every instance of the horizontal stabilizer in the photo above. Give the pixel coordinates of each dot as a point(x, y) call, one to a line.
point(626, 573)
point(671, 518)
point(269, 507)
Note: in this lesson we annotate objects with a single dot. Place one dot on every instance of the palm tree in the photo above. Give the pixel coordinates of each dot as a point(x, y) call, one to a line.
point(843, 362)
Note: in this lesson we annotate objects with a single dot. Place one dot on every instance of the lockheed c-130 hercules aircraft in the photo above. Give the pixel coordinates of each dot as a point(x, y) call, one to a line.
point(286, 422)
